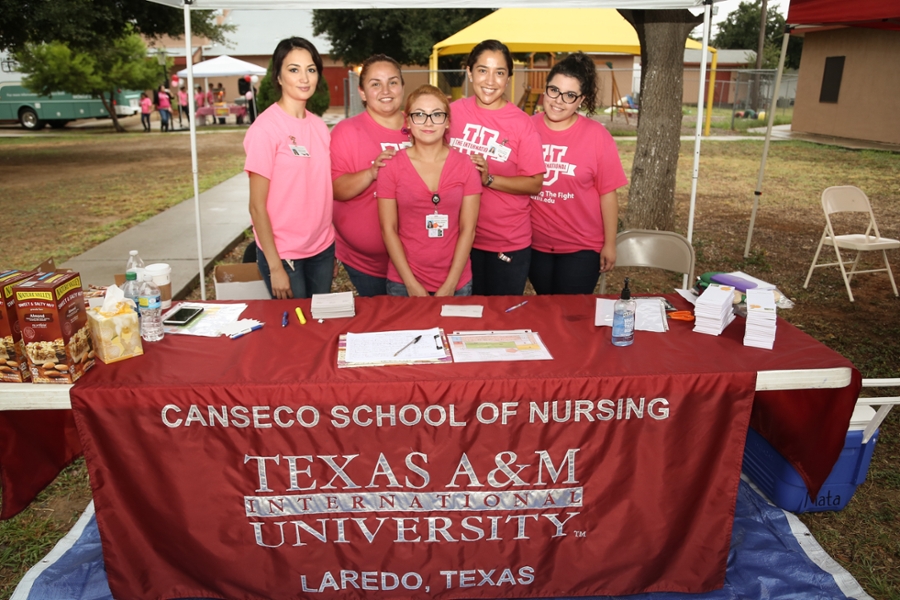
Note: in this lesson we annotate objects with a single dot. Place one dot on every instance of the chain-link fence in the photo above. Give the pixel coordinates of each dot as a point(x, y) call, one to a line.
point(745, 92)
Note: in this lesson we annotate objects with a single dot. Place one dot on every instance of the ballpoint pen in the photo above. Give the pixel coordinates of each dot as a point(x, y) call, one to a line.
point(284, 319)
point(300, 315)
point(411, 342)
point(512, 308)
point(246, 331)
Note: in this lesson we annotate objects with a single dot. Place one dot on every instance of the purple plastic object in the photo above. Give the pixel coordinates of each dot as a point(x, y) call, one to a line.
point(738, 283)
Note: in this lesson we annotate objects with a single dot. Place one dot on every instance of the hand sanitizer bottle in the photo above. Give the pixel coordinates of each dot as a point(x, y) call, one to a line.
point(623, 319)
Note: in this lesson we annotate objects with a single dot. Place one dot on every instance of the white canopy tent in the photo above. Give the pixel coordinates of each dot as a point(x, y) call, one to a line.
point(223, 66)
point(695, 6)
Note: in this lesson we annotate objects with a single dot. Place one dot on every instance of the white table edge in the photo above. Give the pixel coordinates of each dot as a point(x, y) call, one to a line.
point(28, 396)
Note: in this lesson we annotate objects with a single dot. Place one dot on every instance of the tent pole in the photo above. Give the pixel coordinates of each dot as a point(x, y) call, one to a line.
point(771, 122)
point(707, 10)
point(712, 91)
point(193, 127)
point(433, 68)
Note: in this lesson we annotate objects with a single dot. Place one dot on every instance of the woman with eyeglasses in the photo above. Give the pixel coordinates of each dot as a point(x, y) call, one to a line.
point(360, 147)
point(290, 180)
point(428, 197)
point(504, 146)
point(576, 214)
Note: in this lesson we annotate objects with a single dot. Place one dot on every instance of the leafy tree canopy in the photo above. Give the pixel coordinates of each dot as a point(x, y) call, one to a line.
point(121, 63)
point(83, 24)
point(406, 35)
point(740, 31)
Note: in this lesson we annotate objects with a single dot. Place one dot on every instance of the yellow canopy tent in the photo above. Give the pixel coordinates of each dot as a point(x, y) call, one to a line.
point(551, 30)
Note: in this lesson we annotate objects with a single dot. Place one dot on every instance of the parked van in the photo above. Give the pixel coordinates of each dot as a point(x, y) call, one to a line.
point(33, 111)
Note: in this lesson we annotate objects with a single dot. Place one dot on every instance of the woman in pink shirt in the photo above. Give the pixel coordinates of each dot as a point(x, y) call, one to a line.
point(183, 104)
point(360, 147)
point(165, 108)
point(506, 149)
point(575, 215)
point(146, 109)
point(290, 180)
point(428, 197)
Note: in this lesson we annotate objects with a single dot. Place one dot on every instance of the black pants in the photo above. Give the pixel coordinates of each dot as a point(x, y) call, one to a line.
point(494, 276)
point(573, 273)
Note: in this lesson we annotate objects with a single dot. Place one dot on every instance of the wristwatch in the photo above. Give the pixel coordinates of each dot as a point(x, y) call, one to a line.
point(489, 181)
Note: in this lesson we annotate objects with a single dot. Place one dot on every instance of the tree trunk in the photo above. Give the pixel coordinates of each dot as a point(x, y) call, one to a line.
point(651, 196)
point(111, 109)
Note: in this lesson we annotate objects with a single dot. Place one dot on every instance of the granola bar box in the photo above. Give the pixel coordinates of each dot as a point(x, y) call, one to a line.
point(54, 327)
point(13, 366)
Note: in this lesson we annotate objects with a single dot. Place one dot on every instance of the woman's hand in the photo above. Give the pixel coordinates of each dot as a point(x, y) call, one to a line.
point(281, 284)
point(607, 258)
point(481, 165)
point(380, 161)
point(416, 289)
point(448, 289)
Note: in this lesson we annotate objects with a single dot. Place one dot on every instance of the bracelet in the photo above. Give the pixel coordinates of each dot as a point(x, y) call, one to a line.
point(489, 181)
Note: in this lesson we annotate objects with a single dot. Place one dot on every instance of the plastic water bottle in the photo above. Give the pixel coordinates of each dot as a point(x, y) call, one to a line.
point(623, 319)
point(136, 264)
point(151, 311)
point(132, 289)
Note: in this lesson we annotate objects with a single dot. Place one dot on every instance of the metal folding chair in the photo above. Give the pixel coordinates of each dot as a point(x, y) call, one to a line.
point(648, 248)
point(851, 199)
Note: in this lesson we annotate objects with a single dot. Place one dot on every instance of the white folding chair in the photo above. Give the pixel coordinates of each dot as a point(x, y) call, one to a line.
point(885, 404)
point(648, 248)
point(847, 198)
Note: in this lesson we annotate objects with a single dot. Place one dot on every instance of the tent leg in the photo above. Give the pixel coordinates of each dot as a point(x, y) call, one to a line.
point(771, 121)
point(193, 127)
point(707, 11)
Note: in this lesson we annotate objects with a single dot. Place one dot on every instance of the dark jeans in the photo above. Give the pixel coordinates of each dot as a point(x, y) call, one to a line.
point(493, 276)
point(399, 289)
point(308, 276)
point(366, 285)
point(145, 121)
point(573, 273)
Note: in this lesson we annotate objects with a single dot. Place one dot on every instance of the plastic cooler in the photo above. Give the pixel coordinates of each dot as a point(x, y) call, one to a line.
point(775, 476)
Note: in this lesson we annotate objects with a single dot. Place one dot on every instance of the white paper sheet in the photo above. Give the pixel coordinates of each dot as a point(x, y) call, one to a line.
point(457, 310)
point(394, 346)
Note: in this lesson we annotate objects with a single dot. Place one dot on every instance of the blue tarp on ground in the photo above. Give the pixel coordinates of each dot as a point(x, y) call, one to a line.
point(772, 557)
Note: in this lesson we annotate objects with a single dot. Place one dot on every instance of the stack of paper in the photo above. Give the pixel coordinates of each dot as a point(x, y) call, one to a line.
point(712, 311)
point(333, 306)
point(761, 319)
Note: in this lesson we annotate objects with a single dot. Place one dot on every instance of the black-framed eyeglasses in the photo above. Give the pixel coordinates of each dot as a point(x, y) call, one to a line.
point(438, 117)
point(567, 97)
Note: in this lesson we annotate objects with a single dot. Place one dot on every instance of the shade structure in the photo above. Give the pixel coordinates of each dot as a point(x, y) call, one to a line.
point(551, 30)
point(808, 15)
point(224, 66)
point(282, 4)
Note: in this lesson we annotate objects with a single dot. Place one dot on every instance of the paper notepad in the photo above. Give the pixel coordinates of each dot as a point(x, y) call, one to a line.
point(393, 348)
point(459, 310)
point(333, 306)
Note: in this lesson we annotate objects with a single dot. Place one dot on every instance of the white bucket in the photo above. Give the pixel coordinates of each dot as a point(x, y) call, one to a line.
point(162, 277)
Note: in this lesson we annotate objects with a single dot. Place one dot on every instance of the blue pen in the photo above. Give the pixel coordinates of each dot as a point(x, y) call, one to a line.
point(284, 319)
point(243, 333)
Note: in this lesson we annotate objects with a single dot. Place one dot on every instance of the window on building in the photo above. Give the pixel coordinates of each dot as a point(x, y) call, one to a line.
point(831, 79)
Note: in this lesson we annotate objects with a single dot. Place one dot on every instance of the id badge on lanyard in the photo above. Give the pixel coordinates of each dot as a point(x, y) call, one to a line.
point(436, 223)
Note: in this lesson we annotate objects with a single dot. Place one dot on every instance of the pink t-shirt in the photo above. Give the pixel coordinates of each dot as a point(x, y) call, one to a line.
point(429, 257)
point(293, 155)
point(182, 98)
point(164, 102)
point(355, 143)
point(146, 106)
point(507, 137)
point(200, 99)
point(582, 164)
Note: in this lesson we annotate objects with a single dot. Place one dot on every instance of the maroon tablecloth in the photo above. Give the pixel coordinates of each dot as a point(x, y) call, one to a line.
point(254, 468)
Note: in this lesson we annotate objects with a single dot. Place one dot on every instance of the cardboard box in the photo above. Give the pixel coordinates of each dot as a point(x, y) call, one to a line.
point(240, 282)
point(54, 327)
point(13, 364)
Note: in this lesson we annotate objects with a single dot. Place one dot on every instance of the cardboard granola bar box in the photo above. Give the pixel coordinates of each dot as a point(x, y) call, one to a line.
point(54, 327)
point(13, 365)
